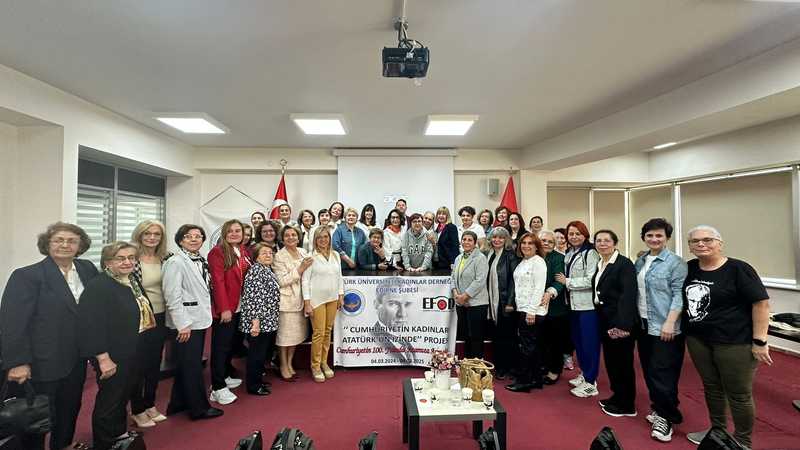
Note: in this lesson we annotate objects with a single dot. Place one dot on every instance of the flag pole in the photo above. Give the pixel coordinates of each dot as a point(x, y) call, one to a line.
point(283, 164)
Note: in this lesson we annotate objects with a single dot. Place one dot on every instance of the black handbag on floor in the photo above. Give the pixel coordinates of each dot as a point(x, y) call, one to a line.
point(292, 439)
point(489, 440)
point(134, 441)
point(606, 440)
point(28, 415)
point(252, 442)
point(719, 439)
point(369, 442)
point(11, 443)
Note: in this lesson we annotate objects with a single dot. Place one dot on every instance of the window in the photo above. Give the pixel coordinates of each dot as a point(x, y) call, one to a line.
point(112, 201)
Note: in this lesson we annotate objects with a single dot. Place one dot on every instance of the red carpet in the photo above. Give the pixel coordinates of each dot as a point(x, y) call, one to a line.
point(336, 414)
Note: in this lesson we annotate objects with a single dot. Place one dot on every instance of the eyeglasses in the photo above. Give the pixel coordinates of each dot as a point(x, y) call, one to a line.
point(122, 259)
point(190, 237)
point(705, 241)
point(62, 241)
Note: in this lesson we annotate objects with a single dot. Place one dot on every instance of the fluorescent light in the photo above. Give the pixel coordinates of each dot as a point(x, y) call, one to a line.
point(320, 124)
point(449, 124)
point(665, 145)
point(193, 123)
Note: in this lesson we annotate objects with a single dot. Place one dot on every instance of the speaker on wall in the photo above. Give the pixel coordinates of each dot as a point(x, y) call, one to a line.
point(492, 187)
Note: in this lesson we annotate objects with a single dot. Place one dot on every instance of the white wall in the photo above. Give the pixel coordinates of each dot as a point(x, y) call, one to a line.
point(8, 156)
point(470, 189)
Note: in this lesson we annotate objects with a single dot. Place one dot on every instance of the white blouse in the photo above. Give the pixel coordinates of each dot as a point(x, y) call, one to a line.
point(322, 282)
point(530, 279)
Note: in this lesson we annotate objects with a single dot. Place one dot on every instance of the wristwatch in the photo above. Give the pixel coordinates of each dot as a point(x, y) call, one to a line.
point(759, 342)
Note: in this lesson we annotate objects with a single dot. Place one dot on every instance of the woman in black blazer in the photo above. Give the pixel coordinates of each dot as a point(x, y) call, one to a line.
point(615, 294)
point(500, 284)
point(113, 311)
point(447, 245)
point(39, 324)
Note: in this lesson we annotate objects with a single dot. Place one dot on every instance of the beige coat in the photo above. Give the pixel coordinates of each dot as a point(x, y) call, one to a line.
point(285, 268)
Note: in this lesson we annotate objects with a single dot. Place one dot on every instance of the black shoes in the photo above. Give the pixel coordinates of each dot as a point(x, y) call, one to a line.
point(172, 410)
point(260, 390)
point(210, 413)
point(616, 411)
point(523, 387)
point(550, 381)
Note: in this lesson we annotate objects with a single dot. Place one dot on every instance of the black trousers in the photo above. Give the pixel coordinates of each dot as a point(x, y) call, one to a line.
point(222, 335)
point(189, 391)
point(65, 404)
point(148, 367)
point(618, 358)
point(472, 328)
point(530, 349)
point(110, 416)
point(556, 342)
point(505, 342)
point(661, 365)
point(261, 347)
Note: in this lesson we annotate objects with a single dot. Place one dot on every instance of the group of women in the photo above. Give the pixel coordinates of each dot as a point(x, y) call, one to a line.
point(540, 293)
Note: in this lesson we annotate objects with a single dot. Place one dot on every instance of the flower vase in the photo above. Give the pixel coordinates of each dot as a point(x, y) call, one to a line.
point(441, 379)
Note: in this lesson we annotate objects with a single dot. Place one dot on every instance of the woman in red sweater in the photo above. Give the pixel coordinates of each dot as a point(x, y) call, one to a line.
point(228, 262)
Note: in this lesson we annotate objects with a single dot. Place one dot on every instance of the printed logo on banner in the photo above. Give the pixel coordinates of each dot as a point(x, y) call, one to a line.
point(440, 303)
point(353, 303)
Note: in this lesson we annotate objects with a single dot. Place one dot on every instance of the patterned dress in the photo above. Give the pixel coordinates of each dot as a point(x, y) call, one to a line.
point(260, 299)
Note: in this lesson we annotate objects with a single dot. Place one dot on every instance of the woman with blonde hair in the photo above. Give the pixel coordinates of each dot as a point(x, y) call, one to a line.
point(290, 263)
point(323, 292)
point(447, 245)
point(148, 237)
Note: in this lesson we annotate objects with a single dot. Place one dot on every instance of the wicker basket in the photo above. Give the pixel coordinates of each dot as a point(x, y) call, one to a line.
point(476, 374)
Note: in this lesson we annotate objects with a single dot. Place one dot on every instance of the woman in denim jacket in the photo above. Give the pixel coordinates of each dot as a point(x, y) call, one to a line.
point(660, 275)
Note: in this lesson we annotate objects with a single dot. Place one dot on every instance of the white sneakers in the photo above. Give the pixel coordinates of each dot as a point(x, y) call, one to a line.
point(233, 383)
point(661, 429)
point(222, 396)
point(585, 390)
point(577, 381)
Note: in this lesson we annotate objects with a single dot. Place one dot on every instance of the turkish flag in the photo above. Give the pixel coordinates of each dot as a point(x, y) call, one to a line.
point(280, 199)
point(509, 199)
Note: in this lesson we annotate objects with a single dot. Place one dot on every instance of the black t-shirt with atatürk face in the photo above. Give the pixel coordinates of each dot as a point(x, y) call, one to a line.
point(718, 303)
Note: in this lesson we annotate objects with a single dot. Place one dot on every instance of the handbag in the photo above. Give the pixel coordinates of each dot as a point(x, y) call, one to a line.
point(369, 442)
point(489, 440)
point(11, 443)
point(29, 415)
point(292, 439)
point(252, 442)
point(134, 441)
point(606, 440)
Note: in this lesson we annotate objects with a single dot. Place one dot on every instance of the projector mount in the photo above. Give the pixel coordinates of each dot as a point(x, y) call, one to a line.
point(401, 25)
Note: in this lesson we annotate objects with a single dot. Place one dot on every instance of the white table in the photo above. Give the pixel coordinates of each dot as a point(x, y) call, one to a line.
point(418, 408)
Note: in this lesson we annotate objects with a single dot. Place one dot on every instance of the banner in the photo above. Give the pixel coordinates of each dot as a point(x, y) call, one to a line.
point(394, 321)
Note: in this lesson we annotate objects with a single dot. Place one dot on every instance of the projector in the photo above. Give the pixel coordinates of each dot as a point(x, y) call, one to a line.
point(405, 62)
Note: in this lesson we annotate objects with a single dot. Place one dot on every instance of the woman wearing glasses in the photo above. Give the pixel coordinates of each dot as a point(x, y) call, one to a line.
point(114, 312)
point(393, 238)
point(725, 318)
point(39, 325)
point(187, 293)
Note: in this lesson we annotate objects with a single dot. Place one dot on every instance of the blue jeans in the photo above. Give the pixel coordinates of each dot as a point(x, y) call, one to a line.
point(586, 337)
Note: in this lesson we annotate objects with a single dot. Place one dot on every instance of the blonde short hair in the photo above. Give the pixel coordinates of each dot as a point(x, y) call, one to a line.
point(138, 232)
point(444, 210)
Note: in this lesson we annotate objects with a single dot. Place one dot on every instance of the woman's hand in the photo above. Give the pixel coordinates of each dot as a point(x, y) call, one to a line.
point(308, 310)
point(383, 266)
point(616, 333)
point(350, 263)
point(530, 319)
point(305, 264)
point(255, 329)
point(381, 253)
point(668, 331)
point(546, 299)
point(432, 238)
point(561, 278)
point(761, 354)
point(106, 366)
point(462, 299)
point(225, 317)
point(184, 335)
point(508, 308)
point(340, 303)
point(20, 374)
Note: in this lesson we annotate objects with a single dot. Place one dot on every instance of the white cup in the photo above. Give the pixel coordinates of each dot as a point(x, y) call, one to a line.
point(429, 376)
point(488, 397)
point(466, 394)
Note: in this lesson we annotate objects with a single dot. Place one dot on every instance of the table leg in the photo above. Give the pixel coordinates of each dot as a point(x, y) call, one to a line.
point(500, 427)
point(477, 428)
point(413, 440)
point(405, 421)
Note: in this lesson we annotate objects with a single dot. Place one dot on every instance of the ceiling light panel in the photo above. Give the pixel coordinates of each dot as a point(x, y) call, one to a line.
point(320, 124)
point(449, 124)
point(192, 123)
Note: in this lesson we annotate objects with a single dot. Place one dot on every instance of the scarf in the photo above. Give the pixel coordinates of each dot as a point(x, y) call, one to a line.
point(440, 227)
point(147, 319)
point(394, 228)
point(202, 266)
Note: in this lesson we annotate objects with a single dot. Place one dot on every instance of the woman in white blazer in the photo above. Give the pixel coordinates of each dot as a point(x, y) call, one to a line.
point(187, 294)
point(323, 291)
point(530, 280)
point(471, 294)
point(290, 263)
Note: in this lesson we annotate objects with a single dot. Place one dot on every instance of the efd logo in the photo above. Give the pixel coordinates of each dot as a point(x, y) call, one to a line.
point(440, 303)
point(353, 303)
